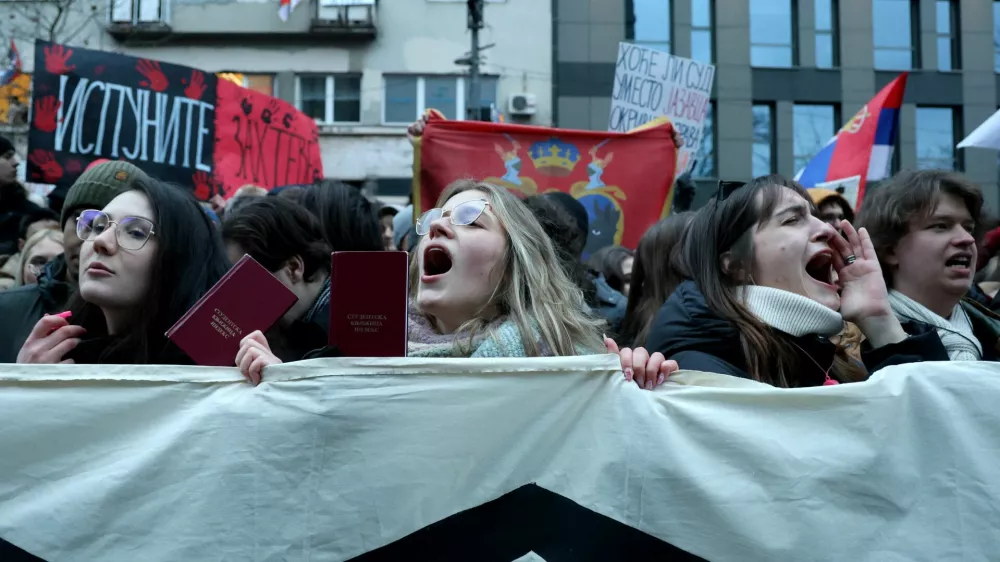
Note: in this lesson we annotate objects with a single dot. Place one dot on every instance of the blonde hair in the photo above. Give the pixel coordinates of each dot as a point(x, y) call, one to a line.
point(534, 293)
point(34, 240)
point(250, 190)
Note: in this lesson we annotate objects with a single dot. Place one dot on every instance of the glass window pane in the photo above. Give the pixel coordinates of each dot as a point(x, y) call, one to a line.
point(705, 168)
point(824, 50)
point(400, 99)
point(944, 53)
point(652, 20)
point(943, 9)
point(701, 45)
point(312, 96)
point(347, 99)
point(893, 59)
point(771, 22)
point(935, 138)
point(824, 12)
point(762, 128)
point(996, 35)
point(770, 56)
point(701, 13)
point(891, 23)
point(439, 94)
point(813, 126)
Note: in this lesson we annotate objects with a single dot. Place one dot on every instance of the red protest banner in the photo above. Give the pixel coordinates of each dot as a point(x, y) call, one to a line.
point(623, 180)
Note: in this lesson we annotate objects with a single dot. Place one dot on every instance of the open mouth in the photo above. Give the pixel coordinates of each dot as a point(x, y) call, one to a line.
point(437, 261)
point(960, 262)
point(820, 268)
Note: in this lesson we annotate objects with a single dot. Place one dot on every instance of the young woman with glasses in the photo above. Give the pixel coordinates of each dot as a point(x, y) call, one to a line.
point(147, 257)
point(485, 282)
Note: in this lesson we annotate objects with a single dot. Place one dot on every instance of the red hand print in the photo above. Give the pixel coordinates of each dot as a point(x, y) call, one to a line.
point(45, 161)
point(203, 187)
point(74, 166)
point(196, 87)
point(156, 79)
point(56, 57)
point(47, 114)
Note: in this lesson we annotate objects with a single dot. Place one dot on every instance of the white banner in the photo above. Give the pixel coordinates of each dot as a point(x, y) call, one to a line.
point(535, 459)
point(650, 84)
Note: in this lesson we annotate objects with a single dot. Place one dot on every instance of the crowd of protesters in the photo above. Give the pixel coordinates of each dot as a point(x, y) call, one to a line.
point(768, 281)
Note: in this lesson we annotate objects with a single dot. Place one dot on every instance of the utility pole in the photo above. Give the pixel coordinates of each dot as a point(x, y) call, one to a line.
point(474, 98)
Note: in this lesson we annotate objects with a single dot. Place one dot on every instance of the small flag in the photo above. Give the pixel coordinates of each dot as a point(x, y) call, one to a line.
point(863, 146)
point(285, 10)
point(11, 66)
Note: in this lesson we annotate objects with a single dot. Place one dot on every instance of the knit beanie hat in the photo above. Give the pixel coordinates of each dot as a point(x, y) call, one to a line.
point(5, 145)
point(98, 185)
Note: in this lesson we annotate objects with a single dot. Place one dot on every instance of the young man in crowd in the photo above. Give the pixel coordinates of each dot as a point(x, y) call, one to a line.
point(925, 227)
point(21, 307)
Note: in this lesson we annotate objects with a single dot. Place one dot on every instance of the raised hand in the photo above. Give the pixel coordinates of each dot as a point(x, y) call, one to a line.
point(156, 80)
point(253, 356)
point(51, 339)
point(203, 185)
point(56, 57)
point(196, 86)
point(647, 371)
point(47, 114)
point(45, 161)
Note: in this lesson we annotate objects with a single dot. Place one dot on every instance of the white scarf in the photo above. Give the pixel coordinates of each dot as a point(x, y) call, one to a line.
point(956, 334)
point(790, 313)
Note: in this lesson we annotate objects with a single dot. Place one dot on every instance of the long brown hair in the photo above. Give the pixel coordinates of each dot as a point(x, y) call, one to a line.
point(726, 228)
point(656, 272)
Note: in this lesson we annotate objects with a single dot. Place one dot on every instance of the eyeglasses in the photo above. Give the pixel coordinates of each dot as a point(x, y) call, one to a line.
point(727, 188)
point(463, 214)
point(132, 233)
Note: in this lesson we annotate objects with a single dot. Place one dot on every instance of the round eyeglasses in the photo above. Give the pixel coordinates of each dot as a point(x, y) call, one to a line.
point(132, 233)
point(463, 214)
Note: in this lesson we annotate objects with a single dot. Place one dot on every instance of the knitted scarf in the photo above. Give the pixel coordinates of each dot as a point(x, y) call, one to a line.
point(501, 338)
point(792, 314)
point(955, 333)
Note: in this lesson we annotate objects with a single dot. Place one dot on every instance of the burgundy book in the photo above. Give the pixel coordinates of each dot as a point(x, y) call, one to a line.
point(247, 298)
point(368, 298)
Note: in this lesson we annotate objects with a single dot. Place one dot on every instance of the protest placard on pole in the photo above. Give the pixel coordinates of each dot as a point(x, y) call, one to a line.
point(650, 84)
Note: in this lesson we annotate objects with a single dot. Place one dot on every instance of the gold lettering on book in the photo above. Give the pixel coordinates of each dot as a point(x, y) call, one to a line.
point(224, 325)
point(366, 323)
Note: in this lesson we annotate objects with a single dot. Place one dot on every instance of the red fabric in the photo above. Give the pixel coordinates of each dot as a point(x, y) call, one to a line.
point(630, 192)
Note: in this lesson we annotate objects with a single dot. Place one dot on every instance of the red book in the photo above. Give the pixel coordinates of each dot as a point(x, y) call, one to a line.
point(247, 298)
point(368, 298)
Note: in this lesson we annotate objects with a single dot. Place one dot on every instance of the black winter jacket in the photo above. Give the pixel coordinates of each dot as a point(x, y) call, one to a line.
point(22, 307)
point(687, 331)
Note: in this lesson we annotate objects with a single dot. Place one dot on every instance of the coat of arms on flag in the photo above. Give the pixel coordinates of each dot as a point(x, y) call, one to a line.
point(862, 149)
point(623, 180)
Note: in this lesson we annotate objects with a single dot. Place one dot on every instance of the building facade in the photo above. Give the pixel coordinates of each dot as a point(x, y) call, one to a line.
point(790, 72)
point(364, 69)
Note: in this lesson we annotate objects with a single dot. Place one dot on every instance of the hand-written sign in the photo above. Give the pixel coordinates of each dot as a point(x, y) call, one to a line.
point(174, 122)
point(650, 84)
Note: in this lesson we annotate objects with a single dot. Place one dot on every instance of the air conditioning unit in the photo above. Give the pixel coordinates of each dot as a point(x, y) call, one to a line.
point(522, 104)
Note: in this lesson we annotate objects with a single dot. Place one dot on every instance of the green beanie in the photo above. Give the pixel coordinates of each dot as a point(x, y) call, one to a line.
point(97, 186)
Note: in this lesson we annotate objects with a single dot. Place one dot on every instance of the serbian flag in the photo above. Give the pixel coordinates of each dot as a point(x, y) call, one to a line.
point(285, 8)
point(623, 180)
point(11, 65)
point(863, 147)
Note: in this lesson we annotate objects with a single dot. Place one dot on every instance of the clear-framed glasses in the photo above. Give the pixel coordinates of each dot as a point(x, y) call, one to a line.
point(132, 233)
point(463, 214)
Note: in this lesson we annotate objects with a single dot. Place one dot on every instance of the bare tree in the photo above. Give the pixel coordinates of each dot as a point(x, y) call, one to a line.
point(73, 22)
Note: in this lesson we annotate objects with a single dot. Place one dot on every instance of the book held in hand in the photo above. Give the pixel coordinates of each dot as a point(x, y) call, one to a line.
point(247, 298)
point(368, 299)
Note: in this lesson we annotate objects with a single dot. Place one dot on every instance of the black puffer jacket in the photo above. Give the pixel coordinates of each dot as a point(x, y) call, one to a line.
point(686, 330)
point(22, 307)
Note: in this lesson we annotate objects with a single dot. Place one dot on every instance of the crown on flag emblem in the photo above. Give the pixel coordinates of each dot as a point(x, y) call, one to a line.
point(554, 157)
point(858, 121)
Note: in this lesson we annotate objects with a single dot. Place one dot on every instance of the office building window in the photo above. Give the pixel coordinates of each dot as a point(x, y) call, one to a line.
point(329, 99)
point(772, 33)
point(947, 34)
point(937, 135)
point(407, 97)
point(651, 23)
point(827, 55)
point(705, 165)
point(701, 30)
point(763, 140)
point(996, 35)
point(894, 23)
point(813, 126)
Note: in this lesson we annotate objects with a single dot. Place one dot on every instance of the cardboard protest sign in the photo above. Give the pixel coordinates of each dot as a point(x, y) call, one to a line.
point(650, 84)
point(177, 123)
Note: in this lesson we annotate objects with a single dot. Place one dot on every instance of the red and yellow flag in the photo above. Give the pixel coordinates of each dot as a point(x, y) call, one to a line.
point(624, 180)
